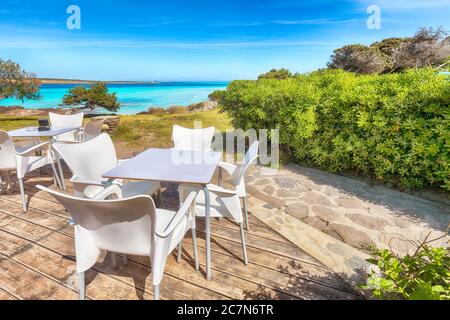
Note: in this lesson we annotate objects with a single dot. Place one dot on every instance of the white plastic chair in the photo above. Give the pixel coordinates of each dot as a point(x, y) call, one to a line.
point(22, 160)
point(226, 202)
point(73, 120)
point(130, 226)
point(192, 139)
point(89, 160)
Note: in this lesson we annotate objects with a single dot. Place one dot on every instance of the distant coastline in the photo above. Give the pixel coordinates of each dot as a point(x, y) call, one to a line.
point(134, 97)
point(77, 81)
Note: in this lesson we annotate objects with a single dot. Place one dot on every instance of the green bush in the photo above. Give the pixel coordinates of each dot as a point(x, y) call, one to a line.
point(425, 275)
point(156, 111)
point(394, 127)
point(177, 110)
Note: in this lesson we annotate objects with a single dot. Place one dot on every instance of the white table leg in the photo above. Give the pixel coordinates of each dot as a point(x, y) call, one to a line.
point(208, 232)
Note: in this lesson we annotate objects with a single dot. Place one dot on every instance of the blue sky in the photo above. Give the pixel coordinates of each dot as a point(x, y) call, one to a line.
point(197, 40)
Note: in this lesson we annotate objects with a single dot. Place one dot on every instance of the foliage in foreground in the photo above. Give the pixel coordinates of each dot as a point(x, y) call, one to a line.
point(16, 82)
point(425, 275)
point(96, 96)
point(394, 128)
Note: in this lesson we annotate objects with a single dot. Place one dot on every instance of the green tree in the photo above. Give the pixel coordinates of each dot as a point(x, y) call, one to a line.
point(16, 82)
point(277, 74)
point(359, 59)
point(216, 95)
point(388, 47)
point(428, 48)
point(96, 96)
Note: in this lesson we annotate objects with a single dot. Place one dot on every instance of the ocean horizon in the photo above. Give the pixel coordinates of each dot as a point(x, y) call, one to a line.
point(133, 98)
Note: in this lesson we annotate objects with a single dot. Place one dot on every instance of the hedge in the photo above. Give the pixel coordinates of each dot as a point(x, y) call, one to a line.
point(394, 128)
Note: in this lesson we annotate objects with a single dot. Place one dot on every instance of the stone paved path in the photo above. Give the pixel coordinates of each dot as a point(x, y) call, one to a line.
point(350, 210)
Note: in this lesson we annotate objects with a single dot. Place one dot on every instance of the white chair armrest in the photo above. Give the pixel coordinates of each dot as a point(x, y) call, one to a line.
point(34, 148)
point(108, 191)
point(184, 209)
point(221, 191)
point(76, 180)
point(228, 167)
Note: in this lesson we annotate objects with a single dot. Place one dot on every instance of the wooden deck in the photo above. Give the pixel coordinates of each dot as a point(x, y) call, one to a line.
point(37, 261)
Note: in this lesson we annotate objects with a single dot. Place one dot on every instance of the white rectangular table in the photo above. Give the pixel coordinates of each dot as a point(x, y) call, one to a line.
point(33, 132)
point(171, 165)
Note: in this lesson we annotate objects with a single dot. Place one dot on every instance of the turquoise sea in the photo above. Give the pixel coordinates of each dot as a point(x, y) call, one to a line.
point(133, 98)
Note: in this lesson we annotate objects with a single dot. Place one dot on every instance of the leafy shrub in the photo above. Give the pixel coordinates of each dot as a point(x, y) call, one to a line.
point(196, 107)
point(177, 110)
point(425, 275)
point(276, 74)
point(393, 127)
point(159, 111)
point(156, 111)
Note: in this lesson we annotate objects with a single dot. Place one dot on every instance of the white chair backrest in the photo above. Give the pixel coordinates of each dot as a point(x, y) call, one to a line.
point(92, 129)
point(250, 158)
point(125, 225)
point(91, 159)
point(192, 139)
point(7, 152)
point(74, 120)
point(59, 120)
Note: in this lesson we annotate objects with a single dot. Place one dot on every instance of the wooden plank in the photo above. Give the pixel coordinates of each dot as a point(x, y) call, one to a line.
point(285, 248)
point(231, 281)
point(289, 283)
point(30, 285)
point(263, 259)
point(65, 243)
point(62, 269)
point(6, 296)
point(48, 237)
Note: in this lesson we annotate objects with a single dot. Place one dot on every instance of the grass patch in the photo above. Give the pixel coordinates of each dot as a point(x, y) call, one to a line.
point(145, 131)
point(8, 123)
point(140, 132)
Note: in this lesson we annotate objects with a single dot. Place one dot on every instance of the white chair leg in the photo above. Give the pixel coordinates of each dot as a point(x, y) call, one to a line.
point(55, 176)
point(245, 214)
point(194, 243)
point(114, 260)
point(125, 259)
point(9, 181)
point(244, 246)
point(82, 285)
point(156, 292)
point(180, 249)
point(22, 195)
